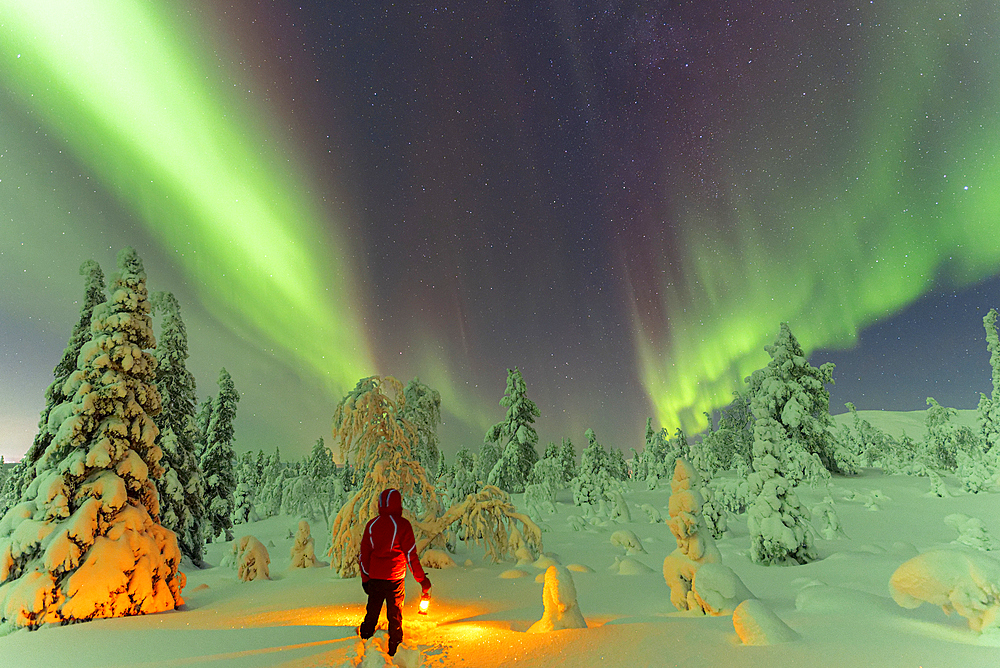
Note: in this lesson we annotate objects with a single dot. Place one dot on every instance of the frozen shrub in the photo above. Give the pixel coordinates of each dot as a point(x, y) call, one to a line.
point(971, 532)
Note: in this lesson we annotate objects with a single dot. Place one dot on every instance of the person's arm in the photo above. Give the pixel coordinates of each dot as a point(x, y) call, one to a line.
point(408, 545)
point(365, 555)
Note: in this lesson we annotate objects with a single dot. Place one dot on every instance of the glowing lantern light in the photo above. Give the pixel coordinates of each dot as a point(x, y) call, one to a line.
point(425, 603)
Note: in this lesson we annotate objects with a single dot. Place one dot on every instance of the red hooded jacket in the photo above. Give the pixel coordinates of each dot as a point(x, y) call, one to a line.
point(387, 544)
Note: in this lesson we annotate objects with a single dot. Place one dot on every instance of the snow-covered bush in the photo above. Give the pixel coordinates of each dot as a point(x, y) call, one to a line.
point(436, 559)
point(561, 610)
point(85, 541)
point(539, 500)
point(713, 512)
point(971, 532)
point(694, 544)
point(303, 552)
point(959, 580)
point(832, 528)
point(251, 559)
point(718, 590)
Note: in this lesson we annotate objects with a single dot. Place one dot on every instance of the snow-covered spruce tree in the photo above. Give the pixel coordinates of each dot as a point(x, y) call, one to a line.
point(423, 410)
point(85, 541)
point(593, 484)
point(462, 481)
point(183, 509)
point(519, 438)
point(488, 456)
point(694, 544)
point(374, 436)
point(202, 420)
point(792, 392)
point(567, 455)
point(219, 459)
point(55, 396)
point(989, 407)
point(791, 416)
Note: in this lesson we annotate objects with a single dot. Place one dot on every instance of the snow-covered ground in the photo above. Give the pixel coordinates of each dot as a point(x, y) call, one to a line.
point(840, 605)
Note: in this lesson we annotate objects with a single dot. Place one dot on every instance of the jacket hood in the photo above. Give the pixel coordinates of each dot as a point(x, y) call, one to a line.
point(390, 502)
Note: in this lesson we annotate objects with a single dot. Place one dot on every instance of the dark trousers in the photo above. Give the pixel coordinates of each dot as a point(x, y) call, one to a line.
point(392, 593)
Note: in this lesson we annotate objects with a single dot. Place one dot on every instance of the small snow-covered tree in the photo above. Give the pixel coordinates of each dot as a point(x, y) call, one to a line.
point(462, 481)
point(423, 410)
point(489, 454)
point(218, 460)
point(55, 395)
point(567, 455)
point(85, 540)
point(519, 438)
point(694, 544)
point(989, 407)
point(374, 435)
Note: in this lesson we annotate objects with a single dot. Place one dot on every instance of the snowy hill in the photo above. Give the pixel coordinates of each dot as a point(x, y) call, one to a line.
point(840, 605)
point(909, 422)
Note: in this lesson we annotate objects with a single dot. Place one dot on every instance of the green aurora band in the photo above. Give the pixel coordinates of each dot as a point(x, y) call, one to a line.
point(912, 204)
point(139, 104)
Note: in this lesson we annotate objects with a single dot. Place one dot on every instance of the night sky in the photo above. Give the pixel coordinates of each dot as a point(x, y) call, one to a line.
point(624, 200)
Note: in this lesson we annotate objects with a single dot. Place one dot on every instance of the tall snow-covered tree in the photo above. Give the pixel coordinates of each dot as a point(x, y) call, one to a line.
point(989, 407)
point(372, 434)
point(489, 453)
point(794, 394)
point(85, 541)
point(55, 395)
point(184, 507)
point(518, 438)
point(790, 406)
point(201, 421)
point(219, 459)
point(423, 410)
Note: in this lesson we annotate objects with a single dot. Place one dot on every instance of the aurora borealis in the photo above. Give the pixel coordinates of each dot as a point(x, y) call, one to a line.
point(622, 199)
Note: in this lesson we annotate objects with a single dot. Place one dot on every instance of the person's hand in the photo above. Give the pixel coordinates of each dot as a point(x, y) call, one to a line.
point(425, 584)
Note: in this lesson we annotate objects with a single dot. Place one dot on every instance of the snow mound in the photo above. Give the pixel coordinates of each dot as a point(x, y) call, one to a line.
point(513, 574)
point(960, 580)
point(627, 566)
point(756, 624)
point(543, 562)
point(821, 598)
point(437, 559)
point(718, 590)
point(579, 568)
point(559, 599)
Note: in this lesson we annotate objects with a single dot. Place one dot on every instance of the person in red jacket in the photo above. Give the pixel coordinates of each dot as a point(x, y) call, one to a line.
point(387, 548)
